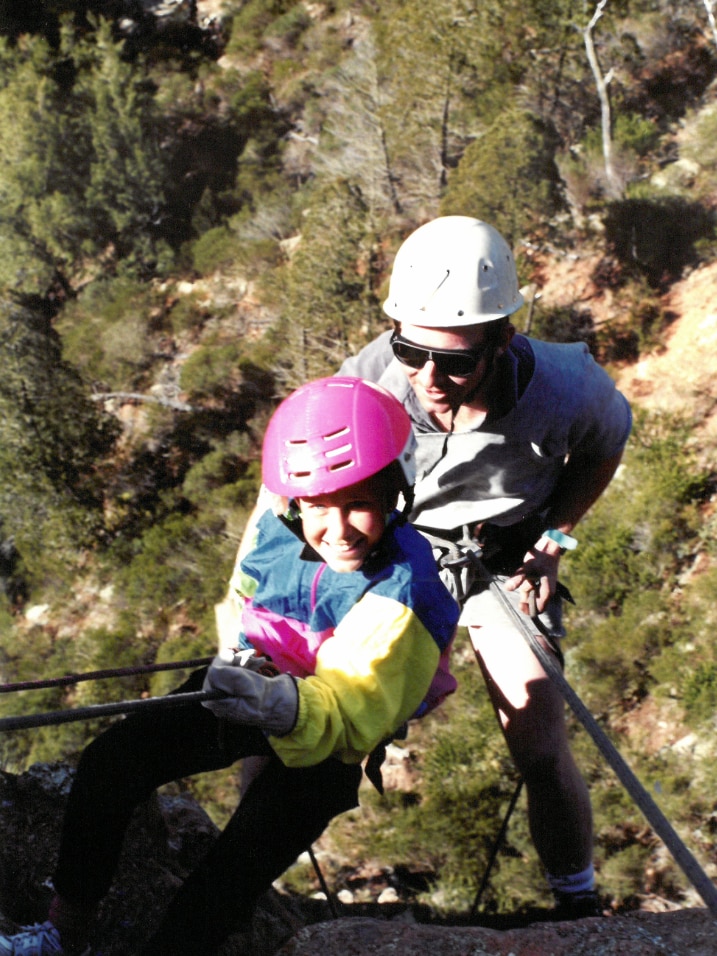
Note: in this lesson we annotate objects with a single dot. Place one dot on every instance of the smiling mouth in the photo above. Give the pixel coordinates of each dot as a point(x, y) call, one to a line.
point(344, 548)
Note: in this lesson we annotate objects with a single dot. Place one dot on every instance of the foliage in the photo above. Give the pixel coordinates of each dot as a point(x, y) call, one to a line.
point(631, 538)
point(175, 561)
point(252, 20)
point(701, 149)
point(52, 436)
point(330, 300)
point(82, 165)
point(687, 671)
point(506, 177)
point(107, 331)
point(338, 127)
point(212, 370)
point(33, 654)
point(656, 237)
point(566, 324)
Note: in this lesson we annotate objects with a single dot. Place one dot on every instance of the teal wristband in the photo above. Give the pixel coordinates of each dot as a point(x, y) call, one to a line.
point(566, 541)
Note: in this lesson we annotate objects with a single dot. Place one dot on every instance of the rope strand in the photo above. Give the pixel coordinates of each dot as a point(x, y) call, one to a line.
point(103, 710)
point(101, 674)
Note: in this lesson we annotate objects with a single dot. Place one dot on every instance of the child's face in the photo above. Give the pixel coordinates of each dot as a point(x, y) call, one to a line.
point(345, 526)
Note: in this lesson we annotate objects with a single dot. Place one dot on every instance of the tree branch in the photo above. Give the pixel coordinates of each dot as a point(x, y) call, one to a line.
point(601, 82)
point(139, 397)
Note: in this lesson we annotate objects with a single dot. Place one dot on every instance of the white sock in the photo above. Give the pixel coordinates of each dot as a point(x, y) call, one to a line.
point(583, 882)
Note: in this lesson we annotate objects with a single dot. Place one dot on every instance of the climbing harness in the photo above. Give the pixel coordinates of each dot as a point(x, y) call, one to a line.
point(464, 559)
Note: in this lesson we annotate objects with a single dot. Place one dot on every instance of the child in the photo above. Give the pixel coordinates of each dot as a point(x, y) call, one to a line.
point(346, 632)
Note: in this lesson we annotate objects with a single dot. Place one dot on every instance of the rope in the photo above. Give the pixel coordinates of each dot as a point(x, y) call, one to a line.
point(101, 674)
point(104, 710)
point(655, 817)
point(323, 883)
point(494, 849)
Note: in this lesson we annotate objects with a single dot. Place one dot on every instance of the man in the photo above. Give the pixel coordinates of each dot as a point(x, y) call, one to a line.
point(517, 438)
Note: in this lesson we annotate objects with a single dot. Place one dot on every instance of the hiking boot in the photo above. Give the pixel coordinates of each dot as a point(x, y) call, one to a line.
point(570, 906)
point(40, 939)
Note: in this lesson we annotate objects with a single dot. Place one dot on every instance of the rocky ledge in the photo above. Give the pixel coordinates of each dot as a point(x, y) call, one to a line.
point(171, 832)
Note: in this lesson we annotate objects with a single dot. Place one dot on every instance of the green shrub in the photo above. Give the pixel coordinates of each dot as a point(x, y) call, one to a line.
point(106, 331)
point(613, 656)
point(656, 237)
point(251, 21)
point(214, 249)
point(516, 149)
point(700, 148)
point(565, 324)
point(632, 537)
point(635, 133)
point(289, 27)
point(176, 560)
point(189, 312)
point(212, 371)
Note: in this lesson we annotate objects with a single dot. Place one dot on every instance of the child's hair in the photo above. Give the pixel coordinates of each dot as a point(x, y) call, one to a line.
point(334, 432)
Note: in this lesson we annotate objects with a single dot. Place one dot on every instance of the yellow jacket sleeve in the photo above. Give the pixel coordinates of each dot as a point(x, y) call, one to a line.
point(370, 677)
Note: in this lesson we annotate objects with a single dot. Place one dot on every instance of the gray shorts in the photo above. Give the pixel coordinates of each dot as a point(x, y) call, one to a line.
point(482, 609)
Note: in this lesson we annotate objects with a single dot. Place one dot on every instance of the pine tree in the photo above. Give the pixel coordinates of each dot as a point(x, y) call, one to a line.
point(330, 306)
point(81, 168)
point(507, 177)
point(51, 437)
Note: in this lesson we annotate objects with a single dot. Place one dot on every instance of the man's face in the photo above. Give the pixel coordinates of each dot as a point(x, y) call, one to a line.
point(345, 526)
point(438, 393)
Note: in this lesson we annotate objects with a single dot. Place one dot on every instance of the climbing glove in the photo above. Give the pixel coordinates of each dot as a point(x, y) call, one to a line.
point(268, 702)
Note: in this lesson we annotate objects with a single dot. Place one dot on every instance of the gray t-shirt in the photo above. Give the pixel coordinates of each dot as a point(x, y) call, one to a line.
point(505, 469)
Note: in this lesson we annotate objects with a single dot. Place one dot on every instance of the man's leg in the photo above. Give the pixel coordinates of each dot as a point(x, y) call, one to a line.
point(282, 813)
point(531, 712)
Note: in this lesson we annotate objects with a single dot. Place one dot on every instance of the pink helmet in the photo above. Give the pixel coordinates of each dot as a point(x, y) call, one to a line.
point(333, 432)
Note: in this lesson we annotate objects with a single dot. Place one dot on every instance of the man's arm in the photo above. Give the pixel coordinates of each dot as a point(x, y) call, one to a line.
point(581, 484)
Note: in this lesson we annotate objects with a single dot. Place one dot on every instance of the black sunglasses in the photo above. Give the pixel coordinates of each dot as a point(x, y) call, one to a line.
point(459, 363)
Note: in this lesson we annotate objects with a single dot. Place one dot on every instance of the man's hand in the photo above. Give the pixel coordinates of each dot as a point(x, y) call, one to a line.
point(270, 703)
point(537, 577)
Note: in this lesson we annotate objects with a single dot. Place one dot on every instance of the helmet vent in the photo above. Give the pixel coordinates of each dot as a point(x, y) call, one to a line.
point(337, 434)
point(332, 453)
point(342, 465)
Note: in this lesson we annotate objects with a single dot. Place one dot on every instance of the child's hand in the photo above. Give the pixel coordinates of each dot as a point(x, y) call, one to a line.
point(270, 703)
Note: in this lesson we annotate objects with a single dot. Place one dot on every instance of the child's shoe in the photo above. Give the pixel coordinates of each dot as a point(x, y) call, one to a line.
point(40, 939)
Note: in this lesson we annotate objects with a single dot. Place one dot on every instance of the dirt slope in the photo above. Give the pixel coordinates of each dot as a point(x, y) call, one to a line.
point(683, 375)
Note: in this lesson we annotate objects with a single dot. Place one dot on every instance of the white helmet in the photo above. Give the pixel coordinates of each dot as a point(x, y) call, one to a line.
point(453, 271)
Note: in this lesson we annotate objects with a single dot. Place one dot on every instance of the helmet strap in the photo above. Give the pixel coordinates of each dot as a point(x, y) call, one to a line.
point(408, 497)
point(291, 519)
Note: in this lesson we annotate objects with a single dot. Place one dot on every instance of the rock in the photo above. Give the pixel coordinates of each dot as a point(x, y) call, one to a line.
point(166, 839)
point(686, 933)
point(168, 836)
point(170, 833)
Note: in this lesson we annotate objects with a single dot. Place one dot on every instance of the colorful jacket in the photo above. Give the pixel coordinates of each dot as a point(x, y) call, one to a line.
point(369, 648)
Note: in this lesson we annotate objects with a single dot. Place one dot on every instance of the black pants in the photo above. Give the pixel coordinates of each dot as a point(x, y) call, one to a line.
point(282, 813)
